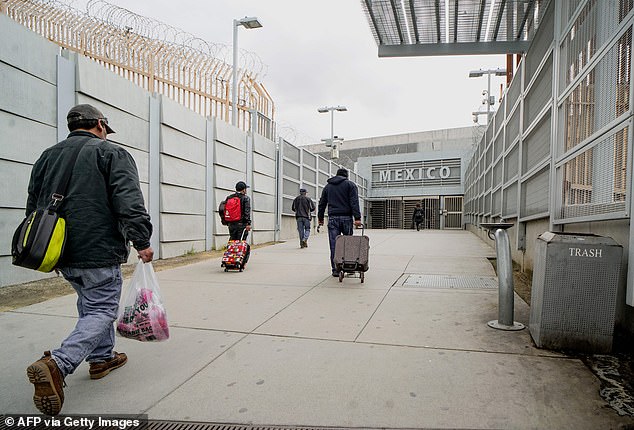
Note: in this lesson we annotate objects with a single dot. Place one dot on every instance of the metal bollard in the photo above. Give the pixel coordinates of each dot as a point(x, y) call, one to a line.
point(506, 299)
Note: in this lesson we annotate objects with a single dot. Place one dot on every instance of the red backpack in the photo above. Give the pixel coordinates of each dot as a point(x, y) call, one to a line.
point(233, 209)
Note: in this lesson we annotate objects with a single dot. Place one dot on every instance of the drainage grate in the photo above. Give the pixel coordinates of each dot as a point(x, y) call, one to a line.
point(180, 425)
point(449, 281)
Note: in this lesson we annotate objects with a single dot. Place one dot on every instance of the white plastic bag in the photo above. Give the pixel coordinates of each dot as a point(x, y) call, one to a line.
point(141, 313)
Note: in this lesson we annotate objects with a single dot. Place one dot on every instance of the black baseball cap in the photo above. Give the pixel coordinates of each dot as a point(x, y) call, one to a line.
point(302, 190)
point(241, 186)
point(86, 111)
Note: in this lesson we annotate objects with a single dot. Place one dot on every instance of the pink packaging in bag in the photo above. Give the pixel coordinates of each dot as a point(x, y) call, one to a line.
point(143, 319)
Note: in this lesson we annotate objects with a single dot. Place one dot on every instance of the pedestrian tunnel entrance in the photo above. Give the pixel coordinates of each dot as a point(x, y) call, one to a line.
point(441, 212)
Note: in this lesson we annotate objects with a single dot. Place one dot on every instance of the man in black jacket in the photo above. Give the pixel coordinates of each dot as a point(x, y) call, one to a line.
point(342, 198)
point(303, 206)
point(237, 228)
point(104, 211)
point(418, 217)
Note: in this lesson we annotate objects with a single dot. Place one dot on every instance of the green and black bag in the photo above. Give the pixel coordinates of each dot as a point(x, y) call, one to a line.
point(38, 242)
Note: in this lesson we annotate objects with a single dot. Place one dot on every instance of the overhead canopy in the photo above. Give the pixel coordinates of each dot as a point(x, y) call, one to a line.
point(453, 27)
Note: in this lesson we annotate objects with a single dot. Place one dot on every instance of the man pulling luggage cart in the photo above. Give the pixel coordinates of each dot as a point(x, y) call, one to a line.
point(342, 198)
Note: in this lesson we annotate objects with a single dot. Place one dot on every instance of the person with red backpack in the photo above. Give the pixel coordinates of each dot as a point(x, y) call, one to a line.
point(235, 213)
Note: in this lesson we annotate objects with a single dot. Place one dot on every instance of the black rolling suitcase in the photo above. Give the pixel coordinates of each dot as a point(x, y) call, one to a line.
point(352, 254)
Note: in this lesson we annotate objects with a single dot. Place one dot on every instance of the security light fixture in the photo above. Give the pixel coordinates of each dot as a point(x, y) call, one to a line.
point(334, 141)
point(488, 72)
point(248, 22)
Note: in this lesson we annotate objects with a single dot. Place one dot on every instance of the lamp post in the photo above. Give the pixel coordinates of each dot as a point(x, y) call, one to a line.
point(488, 72)
point(332, 110)
point(247, 22)
point(332, 142)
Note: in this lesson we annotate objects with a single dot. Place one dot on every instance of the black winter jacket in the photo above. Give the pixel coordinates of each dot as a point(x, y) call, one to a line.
point(342, 198)
point(103, 206)
point(303, 206)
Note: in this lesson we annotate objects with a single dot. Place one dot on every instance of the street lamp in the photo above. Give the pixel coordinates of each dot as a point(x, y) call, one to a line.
point(488, 72)
point(334, 141)
point(332, 110)
point(248, 22)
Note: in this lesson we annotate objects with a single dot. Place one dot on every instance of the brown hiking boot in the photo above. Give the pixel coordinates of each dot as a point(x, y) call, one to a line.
point(49, 385)
point(100, 369)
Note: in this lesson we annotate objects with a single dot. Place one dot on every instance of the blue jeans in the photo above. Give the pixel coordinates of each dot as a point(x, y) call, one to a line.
point(337, 225)
point(303, 228)
point(98, 293)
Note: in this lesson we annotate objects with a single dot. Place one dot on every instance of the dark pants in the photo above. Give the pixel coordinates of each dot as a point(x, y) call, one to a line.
point(419, 223)
point(236, 229)
point(337, 225)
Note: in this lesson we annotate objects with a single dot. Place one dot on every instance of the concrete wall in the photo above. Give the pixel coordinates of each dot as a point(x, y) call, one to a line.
point(187, 163)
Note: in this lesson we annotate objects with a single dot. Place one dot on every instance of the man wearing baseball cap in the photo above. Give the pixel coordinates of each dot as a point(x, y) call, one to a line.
point(104, 212)
point(303, 206)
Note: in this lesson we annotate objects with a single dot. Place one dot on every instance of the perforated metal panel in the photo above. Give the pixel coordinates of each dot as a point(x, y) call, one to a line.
point(290, 169)
point(290, 187)
point(541, 44)
point(497, 202)
point(539, 94)
point(592, 29)
point(598, 99)
point(536, 146)
point(513, 128)
point(489, 156)
point(535, 194)
point(498, 145)
point(309, 175)
point(511, 162)
point(497, 173)
point(487, 203)
point(309, 159)
point(596, 181)
point(510, 201)
point(291, 152)
point(575, 283)
point(499, 119)
point(513, 93)
point(324, 165)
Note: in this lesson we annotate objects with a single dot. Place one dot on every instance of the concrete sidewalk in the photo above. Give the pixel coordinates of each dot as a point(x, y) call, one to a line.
point(284, 343)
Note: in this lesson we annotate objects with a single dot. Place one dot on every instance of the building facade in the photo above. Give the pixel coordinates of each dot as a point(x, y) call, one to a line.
point(426, 168)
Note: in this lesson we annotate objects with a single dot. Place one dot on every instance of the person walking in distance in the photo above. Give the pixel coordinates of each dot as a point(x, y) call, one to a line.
point(342, 198)
point(238, 215)
point(303, 206)
point(418, 217)
point(104, 212)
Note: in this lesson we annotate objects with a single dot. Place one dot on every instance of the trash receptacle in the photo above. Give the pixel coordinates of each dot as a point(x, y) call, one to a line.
point(573, 297)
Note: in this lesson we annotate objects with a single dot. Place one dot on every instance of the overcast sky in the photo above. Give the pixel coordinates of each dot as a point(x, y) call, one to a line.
point(322, 53)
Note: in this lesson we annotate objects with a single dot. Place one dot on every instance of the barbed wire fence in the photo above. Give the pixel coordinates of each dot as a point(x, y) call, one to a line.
point(154, 55)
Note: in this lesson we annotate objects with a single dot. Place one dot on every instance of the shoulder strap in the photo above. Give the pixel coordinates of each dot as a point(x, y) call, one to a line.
point(62, 186)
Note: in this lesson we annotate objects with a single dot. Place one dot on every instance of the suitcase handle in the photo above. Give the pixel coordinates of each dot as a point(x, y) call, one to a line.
point(362, 229)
